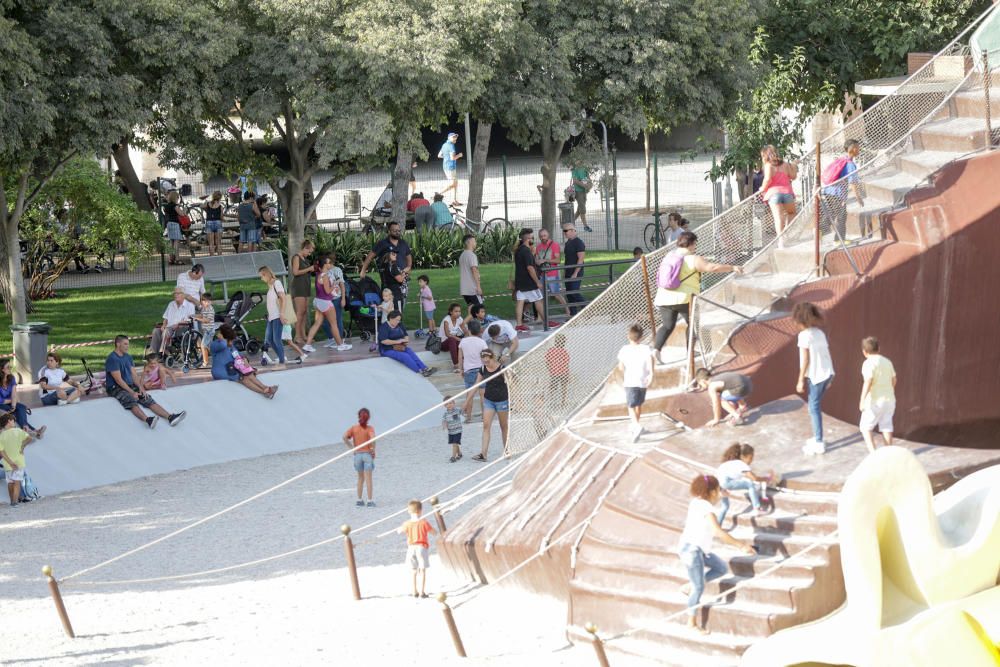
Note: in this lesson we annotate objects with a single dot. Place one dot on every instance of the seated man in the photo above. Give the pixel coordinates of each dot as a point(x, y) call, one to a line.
point(501, 337)
point(178, 313)
point(725, 390)
point(121, 386)
point(393, 342)
point(55, 386)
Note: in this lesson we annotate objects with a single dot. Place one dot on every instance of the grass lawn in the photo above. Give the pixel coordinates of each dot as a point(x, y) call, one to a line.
point(84, 315)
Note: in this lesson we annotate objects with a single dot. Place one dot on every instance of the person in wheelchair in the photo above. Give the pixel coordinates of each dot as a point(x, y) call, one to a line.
point(177, 315)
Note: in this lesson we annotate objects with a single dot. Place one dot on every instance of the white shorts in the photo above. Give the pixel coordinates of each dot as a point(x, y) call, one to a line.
point(322, 305)
point(14, 475)
point(451, 174)
point(878, 414)
point(418, 557)
point(530, 296)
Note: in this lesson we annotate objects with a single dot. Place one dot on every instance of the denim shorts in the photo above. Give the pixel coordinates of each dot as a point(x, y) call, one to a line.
point(51, 398)
point(455, 438)
point(496, 406)
point(470, 377)
point(213, 226)
point(174, 231)
point(635, 396)
point(249, 234)
point(363, 461)
point(553, 286)
point(428, 314)
point(781, 198)
point(732, 398)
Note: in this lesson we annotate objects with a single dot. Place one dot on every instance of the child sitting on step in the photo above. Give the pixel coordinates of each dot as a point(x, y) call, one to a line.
point(695, 546)
point(735, 475)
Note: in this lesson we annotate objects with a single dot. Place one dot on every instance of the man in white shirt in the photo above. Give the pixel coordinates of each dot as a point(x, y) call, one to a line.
point(501, 337)
point(178, 313)
point(192, 284)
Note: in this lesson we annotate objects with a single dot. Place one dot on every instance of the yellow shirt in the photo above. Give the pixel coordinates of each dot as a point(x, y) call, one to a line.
point(11, 440)
point(880, 371)
point(690, 284)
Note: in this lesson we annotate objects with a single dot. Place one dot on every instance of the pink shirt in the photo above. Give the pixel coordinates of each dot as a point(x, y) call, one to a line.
point(426, 298)
point(548, 252)
point(780, 184)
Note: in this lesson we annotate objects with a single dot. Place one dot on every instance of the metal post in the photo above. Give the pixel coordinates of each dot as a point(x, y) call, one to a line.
point(352, 566)
point(545, 301)
point(987, 82)
point(691, 331)
point(649, 295)
point(449, 618)
point(163, 225)
point(602, 657)
point(57, 599)
point(606, 200)
point(614, 189)
point(656, 198)
point(819, 183)
point(438, 517)
point(503, 163)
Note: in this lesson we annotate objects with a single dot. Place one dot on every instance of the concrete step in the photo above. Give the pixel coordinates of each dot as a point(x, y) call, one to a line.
point(924, 163)
point(668, 645)
point(961, 135)
point(892, 187)
point(761, 291)
point(972, 103)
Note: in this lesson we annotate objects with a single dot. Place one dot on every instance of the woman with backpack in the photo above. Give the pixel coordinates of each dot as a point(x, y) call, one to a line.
point(678, 278)
point(777, 190)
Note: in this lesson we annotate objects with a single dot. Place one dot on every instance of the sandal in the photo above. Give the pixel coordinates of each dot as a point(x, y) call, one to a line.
point(478, 457)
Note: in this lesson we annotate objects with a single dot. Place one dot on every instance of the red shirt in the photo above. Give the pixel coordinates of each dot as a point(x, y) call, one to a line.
point(548, 252)
point(358, 434)
point(557, 359)
point(417, 532)
point(414, 204)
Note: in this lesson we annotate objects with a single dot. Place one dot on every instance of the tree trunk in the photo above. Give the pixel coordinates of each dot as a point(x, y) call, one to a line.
point(482, 152)
point(12, 289)
point(645, 146)
point(401, 183)
point(135, 188)
point(551, 151)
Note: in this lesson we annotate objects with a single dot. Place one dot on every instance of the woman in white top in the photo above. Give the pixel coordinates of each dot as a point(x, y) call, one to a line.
point(275, 301)
point(677, 301)
point(700, 529)
point(815, 369)
point(451, 332)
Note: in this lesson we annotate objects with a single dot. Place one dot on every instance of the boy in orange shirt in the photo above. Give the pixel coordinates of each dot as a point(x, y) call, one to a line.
point(364, 458)
point(417, 546)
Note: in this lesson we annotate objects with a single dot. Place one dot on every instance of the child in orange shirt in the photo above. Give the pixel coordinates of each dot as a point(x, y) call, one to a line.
point(417, 546)
point(364, 457)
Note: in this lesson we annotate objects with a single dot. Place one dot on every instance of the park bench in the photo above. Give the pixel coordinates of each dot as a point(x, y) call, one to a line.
point(245, 265)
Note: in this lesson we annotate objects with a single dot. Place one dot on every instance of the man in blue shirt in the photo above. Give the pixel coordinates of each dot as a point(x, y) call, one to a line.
point(449, 162)
point(834, 199)
point(121, 386)
point(393, 342)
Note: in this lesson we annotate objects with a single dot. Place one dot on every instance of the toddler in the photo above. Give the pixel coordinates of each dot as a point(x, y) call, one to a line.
point(206, 320)
point(387, 306)
point(427, 301)
point(154, 374)
point(417, 532)
point(452, 423)
point(287, 338)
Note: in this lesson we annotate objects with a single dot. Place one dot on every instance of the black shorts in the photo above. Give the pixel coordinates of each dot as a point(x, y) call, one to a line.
point(126, 400)
point(473, 299)
point(455, 438)
point(635, 396)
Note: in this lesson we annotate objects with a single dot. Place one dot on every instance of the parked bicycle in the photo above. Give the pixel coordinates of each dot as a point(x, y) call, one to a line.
point(459, 220)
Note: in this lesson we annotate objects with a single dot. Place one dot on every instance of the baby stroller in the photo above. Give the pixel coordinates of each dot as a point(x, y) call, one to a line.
point(235, 314)
point(363, 298)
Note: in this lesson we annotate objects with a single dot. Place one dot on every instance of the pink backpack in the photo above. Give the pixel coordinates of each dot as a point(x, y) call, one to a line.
point(832, 171)
point(669, 274)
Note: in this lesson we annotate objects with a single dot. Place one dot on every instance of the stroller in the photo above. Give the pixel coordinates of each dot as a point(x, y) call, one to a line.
point(235, 314)
point(363, 298)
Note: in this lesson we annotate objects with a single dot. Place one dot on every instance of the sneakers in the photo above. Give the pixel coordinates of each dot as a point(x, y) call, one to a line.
point(553, 325)
point(521, 327)
point(635, 431)
point(360, 503)
point(813, 447)
point(427, 372)
point(265, 359)
point(300, 359)
point(61, 402)
point(330, 343)
point(586, 228)
point(371, 503)
point(308, 348)
point(151, 421)
point(177, 418)
point(344, 347)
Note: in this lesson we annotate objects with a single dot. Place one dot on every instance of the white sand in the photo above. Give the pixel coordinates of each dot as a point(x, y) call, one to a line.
point(298, 610)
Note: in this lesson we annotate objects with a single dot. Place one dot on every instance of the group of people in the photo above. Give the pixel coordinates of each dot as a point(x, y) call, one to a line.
point(537, 265)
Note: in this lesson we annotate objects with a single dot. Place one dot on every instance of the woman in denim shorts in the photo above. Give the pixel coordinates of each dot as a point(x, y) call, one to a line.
point(495, 400)
point(213, 223)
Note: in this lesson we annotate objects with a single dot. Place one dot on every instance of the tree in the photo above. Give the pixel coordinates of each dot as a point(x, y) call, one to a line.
point(293, 82)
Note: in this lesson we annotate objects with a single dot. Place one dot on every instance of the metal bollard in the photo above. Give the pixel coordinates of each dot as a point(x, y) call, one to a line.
point(352, 566)
point(602, 657)
point(438, 517)
point(449, 618)
point(57, 599)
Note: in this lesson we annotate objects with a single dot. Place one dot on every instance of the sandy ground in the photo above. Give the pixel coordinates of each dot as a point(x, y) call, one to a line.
point(298, 610)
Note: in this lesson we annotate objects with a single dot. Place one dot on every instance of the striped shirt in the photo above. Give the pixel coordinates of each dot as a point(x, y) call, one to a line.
point(453, 420)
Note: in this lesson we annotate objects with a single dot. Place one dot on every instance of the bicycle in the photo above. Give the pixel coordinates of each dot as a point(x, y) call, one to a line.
point(460, 221)
point(650, 234)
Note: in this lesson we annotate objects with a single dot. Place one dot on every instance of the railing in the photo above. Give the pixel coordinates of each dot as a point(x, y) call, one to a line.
point(597, 277)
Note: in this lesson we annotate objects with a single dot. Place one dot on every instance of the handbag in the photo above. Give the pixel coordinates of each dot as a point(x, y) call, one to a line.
point(242, 366)
point(433, 342)
point(399, 347)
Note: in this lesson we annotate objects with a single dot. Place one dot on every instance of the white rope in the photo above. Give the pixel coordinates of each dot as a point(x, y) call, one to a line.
point(597, 507)
point(567, 507)
point(572, 472)
point(822, 541)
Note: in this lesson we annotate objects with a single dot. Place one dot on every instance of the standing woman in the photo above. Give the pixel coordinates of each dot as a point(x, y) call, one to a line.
point(339, 295)
point(815, 369)
point(361, 438)
point(9, 402)
point(323, 305)
point(451, 332)
point(777, 190)
point(302, 270)
point(275, 301)
point(172, 212)
point(247, 214)
point(495, 400)
point(213, 223)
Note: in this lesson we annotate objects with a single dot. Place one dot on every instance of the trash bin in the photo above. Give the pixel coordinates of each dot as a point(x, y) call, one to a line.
point(352, 202)
point(566, 213)
point(31, 344)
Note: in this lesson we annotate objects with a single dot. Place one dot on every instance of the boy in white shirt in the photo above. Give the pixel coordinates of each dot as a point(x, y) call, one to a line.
point(878, 393)
point(636, 362)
